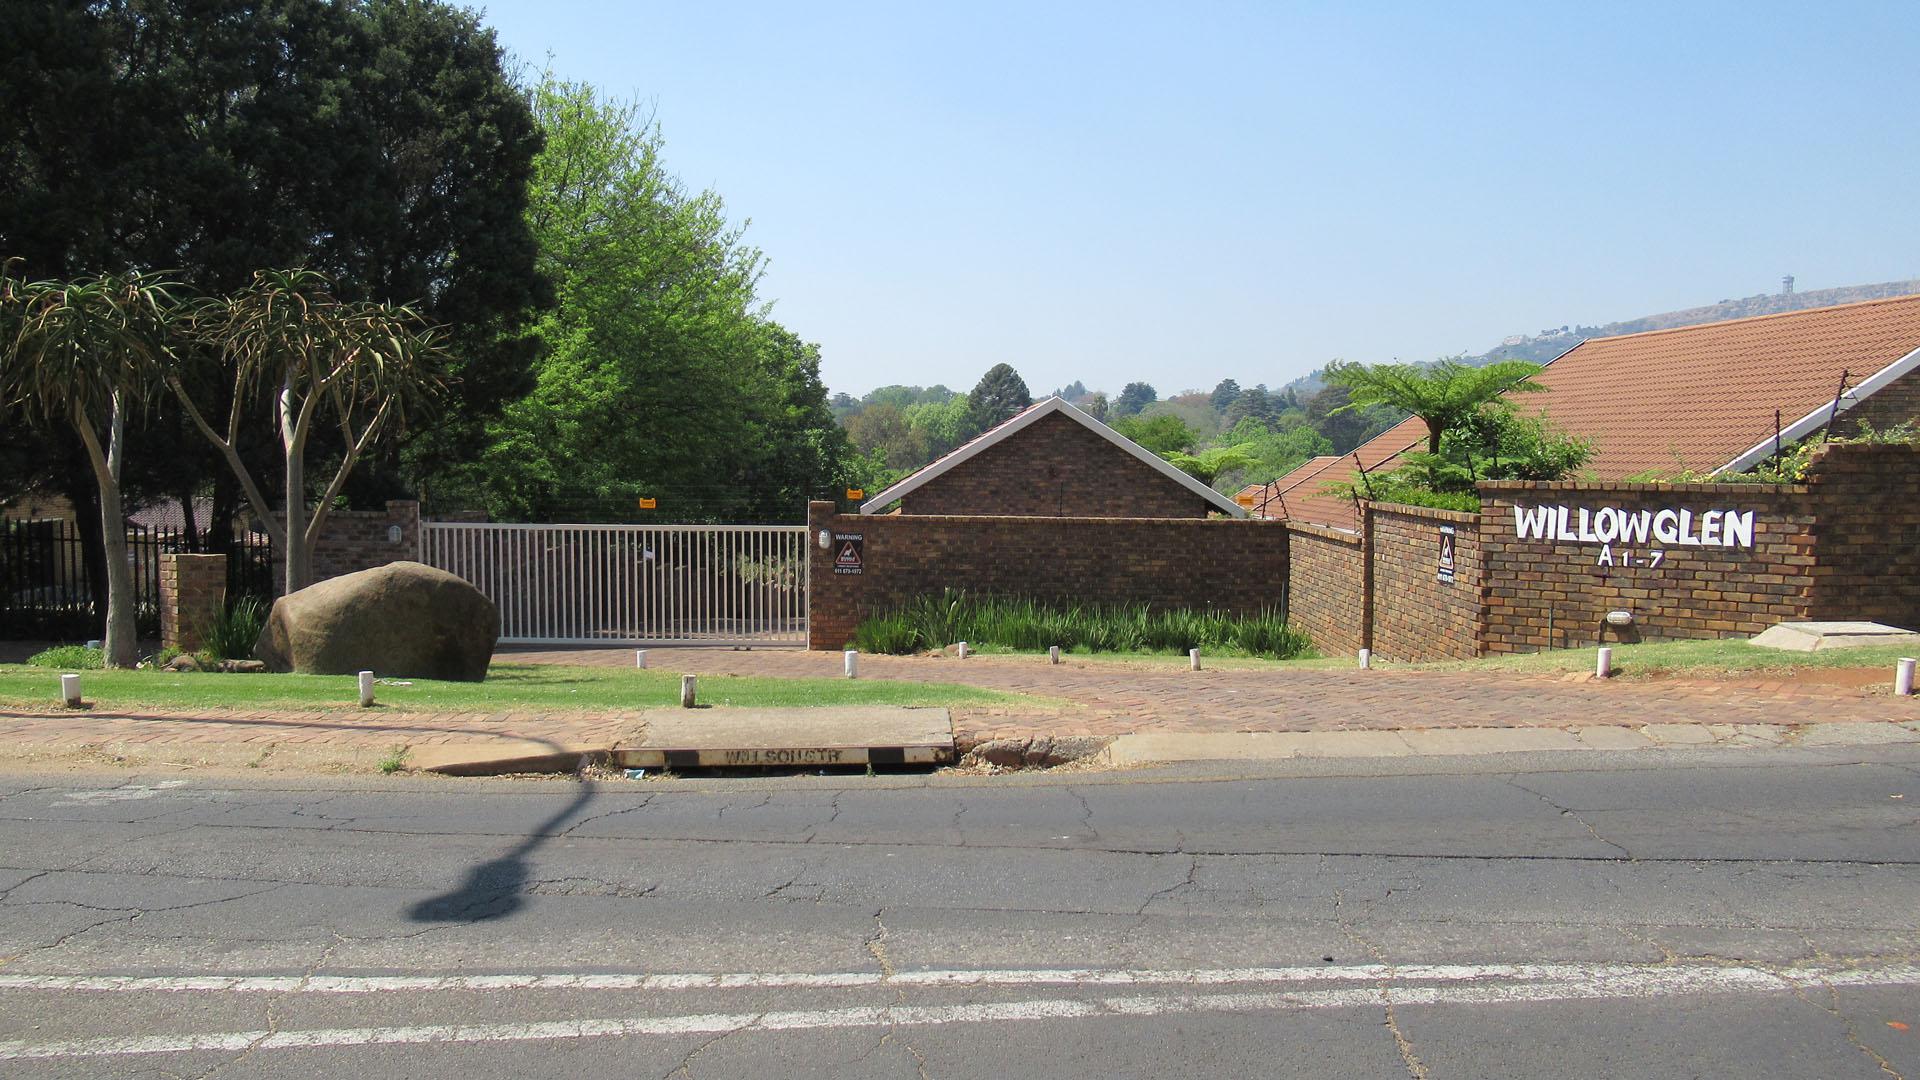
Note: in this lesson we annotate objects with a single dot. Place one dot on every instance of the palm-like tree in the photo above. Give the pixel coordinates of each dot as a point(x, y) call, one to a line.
point(85, 353)
point(358, 366)
point(1444, 395)
point(1207, 465)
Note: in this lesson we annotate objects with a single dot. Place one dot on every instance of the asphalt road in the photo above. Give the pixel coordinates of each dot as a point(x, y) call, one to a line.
point(1704, 913)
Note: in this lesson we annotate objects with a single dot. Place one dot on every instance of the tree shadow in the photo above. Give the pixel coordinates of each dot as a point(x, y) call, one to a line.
point(497, 888)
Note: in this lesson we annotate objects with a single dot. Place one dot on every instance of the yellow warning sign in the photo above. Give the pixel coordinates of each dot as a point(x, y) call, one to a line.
point(856, 493)
point(648, 504)
point(1245, 499)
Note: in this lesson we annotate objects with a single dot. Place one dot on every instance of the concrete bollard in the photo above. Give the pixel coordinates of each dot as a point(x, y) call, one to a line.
point(1366, 659)
point(1053, 654)
point(70, 690)
point(1193, 659)
point(1903, 676)
point(963, 650)
point(1603, 664)
point(689, 686)
point(852, 657)
point(639, 658)
point(366, 689)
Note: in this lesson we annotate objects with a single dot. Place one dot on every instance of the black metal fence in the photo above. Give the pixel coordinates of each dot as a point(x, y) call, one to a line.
point(44, 591)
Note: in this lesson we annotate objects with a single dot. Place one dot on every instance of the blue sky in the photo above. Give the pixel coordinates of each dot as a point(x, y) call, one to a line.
point(1180, 193)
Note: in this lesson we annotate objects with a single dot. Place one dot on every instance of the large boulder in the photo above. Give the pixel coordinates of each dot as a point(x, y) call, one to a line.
point(404, 619)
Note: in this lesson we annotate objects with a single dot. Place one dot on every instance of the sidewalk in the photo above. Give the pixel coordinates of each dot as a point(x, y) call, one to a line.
point(1166, 712)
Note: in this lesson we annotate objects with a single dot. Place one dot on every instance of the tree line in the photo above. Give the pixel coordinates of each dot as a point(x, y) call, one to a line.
point(598, 336)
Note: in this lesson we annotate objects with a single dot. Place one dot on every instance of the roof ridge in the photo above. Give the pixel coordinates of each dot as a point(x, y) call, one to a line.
point(1903, 297)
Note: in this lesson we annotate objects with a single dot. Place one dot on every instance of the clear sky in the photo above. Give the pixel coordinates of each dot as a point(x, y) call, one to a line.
point(1183, 192)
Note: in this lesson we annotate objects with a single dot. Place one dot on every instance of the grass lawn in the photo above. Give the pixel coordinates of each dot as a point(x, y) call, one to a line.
point(529, 687)
point(1698, 658)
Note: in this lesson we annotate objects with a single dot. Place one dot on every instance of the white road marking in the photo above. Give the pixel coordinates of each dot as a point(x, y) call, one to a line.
point(1469, 985)
point(1404, 973)
point(122, 794)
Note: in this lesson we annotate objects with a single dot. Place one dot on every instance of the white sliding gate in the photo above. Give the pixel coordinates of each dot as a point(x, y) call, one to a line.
point(633, 584)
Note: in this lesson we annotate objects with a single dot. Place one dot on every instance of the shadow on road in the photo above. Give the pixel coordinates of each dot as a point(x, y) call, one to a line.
point(497, 887)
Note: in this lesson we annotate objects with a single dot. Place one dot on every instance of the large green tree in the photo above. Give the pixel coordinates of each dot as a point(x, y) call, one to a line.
point(378, 141)
point(997, 397)
point(662, 377)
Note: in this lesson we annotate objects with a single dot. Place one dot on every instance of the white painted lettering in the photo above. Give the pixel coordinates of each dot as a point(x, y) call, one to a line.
point(1633, 527)
point(1561, 532)
point(1737, 528)
point(1710, 528)
point(1606, 524)
point(1663, 527)
point(1606, 555)
point(1586, 532)
point(1687, 535)
point(1532, 523)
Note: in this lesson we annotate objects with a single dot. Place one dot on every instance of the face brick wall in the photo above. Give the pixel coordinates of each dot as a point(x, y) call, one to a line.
point(193, 592)
point(355, 540)
point(1896, 403)
point(1416, 616)
point(1546, 594)
point(1866, 558)
point(1326, 588)
point(1055, 467)
point(1231, 564)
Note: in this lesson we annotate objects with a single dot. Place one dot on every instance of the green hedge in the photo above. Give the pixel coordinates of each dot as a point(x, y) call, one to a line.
point(934, 622)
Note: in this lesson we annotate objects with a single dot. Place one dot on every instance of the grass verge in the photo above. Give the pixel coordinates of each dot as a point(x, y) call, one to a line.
point(533, 687)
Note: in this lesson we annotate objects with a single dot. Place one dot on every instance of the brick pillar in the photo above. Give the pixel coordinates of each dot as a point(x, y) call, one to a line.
point(193, 592)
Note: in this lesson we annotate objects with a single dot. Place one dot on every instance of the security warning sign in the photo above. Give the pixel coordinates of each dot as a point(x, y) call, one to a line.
point(1445, 574)
point(849, 552)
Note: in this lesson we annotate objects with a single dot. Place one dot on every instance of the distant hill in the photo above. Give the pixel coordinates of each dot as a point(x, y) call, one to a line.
point(1549, 343)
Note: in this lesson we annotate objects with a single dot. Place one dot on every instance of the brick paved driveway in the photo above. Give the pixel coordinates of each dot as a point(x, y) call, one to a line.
point(1114, 698)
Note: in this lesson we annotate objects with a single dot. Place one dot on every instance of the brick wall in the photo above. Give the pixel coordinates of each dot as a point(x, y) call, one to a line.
point(1226, 563)
point(1055, 467)
point(1548, 594)
point(1866, 558)
point(1415, 615)
point(359, 540)
point(193, 592)
point(1896, 403)
point(1326, 587)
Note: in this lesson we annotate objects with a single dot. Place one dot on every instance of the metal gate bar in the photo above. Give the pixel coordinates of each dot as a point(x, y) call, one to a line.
point(632, 584)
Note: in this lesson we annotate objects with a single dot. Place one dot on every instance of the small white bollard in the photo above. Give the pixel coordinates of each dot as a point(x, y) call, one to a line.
point(1903, 676)
point(639, 658)
point(1193, 659)
point(366, 689)
point(853, 663)
point(1366, 659)
point(689, 686)
point(963, 650)
point(1053, 654)
point(70, 690)
point(1603, 665)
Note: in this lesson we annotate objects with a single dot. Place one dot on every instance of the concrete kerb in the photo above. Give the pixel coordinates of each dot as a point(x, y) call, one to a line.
point(1151, 748)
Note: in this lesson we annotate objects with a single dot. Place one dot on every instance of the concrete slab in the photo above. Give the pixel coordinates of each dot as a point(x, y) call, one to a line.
point(863, 735)
point(1489, 740)
point(1817, 636)
point(1155, 747)
point(1857, 734)
point(1679, 734)
point(1609, 737)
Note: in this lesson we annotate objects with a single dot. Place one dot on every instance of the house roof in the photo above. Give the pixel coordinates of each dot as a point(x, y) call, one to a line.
point(1694, 397)
point(1023, 420)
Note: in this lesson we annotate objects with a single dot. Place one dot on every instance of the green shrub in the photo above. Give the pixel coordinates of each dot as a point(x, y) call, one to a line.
point(235, 630)
point(1024, 625)
point(70, 658)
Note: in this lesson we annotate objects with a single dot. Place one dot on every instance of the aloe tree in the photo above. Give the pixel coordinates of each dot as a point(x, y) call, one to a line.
point(84, 353)
point(355, 367)
point(1444, 395)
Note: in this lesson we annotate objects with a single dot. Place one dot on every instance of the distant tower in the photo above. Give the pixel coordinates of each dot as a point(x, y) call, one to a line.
point(1786, 285)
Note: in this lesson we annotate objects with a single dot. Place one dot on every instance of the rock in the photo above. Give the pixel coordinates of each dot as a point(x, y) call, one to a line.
point(242, 667)
point(183, 662)
point(404, 619)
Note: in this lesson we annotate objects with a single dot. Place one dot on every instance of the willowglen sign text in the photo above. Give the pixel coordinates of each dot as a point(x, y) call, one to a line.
point(1610, 525)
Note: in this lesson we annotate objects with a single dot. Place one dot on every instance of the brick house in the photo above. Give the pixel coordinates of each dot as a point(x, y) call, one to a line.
point(1053, 460)
point(1699, 399)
